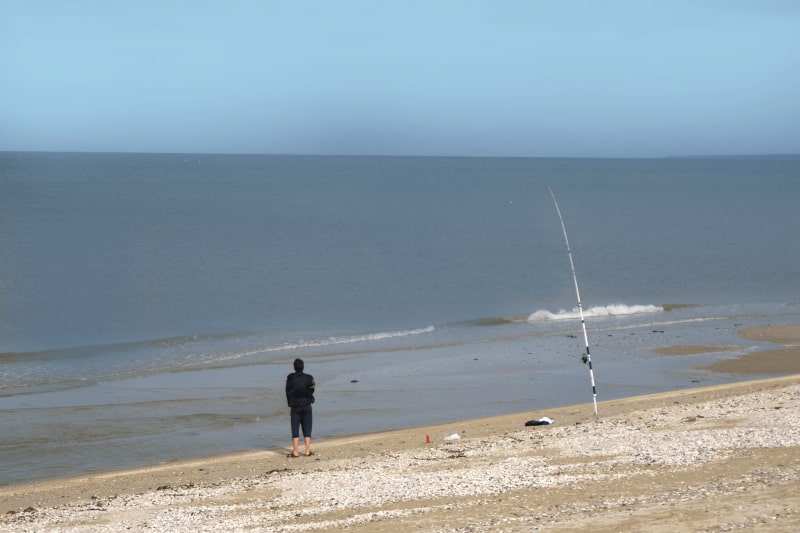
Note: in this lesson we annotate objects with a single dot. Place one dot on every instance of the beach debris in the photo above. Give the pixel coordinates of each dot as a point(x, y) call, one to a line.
point(184, 486)
point(452, 437)
point(427, 439)
point(544, 421)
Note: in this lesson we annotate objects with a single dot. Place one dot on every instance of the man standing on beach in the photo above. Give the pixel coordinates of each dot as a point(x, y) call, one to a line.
point(300, 396)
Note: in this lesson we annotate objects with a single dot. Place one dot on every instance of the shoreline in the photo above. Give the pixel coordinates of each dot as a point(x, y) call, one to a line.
point(674, 457)
point(581, 459)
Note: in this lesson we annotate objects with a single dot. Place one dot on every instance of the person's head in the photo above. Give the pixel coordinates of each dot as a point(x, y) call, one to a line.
point(298, 365)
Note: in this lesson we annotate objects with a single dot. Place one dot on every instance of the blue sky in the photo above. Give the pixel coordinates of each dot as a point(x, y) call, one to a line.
point(581, 78)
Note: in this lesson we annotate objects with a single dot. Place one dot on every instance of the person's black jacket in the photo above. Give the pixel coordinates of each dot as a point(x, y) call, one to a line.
point(299, 389)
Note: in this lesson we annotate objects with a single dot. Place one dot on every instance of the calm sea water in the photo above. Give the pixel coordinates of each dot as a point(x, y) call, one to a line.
point(151, 305)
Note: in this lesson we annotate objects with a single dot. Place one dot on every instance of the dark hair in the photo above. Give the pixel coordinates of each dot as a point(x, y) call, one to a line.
point(298, 365)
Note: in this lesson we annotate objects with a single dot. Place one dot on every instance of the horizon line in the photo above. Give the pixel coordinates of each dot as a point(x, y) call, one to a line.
point(293, 154)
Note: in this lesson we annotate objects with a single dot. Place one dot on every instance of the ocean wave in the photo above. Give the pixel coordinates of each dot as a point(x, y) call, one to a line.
point(600, 311)
point(351, 339)
point(118, 361)
point(322, 343)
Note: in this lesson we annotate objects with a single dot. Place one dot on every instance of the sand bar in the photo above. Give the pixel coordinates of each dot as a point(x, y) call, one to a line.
point(706, 459)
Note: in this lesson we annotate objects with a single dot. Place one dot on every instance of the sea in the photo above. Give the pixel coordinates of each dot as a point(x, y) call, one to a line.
point(151, 305)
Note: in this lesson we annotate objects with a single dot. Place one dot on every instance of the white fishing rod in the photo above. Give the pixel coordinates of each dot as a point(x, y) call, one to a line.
point(588, 357)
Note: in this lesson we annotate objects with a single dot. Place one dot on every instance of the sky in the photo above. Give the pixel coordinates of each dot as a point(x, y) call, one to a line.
point(535, 78)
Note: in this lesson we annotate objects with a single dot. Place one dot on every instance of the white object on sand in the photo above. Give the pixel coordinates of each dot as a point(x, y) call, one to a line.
point(452, 437)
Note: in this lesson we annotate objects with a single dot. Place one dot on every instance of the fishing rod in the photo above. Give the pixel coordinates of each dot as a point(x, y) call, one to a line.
point(587, 356)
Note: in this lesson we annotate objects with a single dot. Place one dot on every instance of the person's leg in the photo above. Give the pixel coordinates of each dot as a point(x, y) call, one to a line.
point(295, 420)
point(306, 421)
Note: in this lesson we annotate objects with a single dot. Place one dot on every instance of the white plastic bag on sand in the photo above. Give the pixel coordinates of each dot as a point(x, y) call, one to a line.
point(452, 437)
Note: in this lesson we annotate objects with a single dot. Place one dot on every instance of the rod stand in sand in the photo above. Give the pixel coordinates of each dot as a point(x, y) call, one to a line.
point(587, 356)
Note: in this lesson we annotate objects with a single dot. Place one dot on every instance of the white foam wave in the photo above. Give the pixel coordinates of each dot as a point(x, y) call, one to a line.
point(330, 341)
point(321, 343)
point(600, 311)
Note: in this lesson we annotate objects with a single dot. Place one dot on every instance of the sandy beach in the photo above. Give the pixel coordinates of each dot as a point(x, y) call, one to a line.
point(718, 458)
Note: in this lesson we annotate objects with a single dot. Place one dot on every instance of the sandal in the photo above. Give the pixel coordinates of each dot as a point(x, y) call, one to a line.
point(293, 456)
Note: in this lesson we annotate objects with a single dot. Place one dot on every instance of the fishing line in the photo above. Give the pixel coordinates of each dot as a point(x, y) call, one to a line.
point(587, 356)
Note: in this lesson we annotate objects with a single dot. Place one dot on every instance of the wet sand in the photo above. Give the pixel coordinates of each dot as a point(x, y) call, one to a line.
point(713, 458)
point(777, 361)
